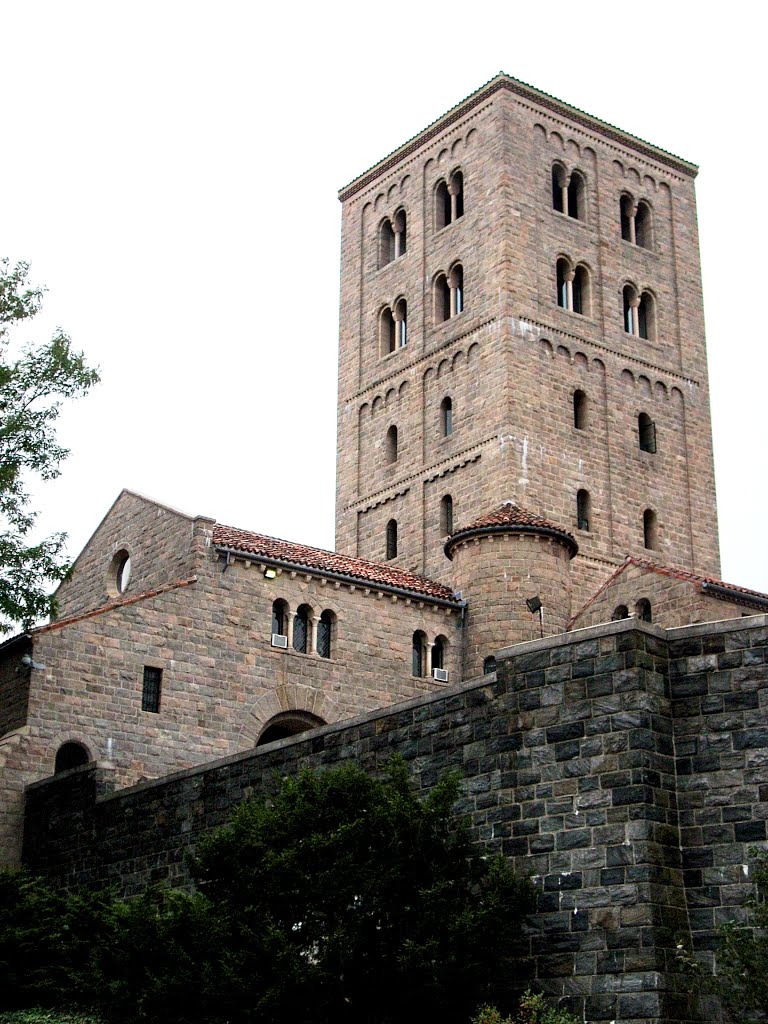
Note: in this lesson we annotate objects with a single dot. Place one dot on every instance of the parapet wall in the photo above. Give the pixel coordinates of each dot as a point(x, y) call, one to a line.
point(624, 767)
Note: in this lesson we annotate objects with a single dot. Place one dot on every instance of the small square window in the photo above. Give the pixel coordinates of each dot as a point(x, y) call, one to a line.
point(150, 693)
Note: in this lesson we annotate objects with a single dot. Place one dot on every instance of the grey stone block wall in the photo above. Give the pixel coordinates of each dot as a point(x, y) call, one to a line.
point(621, 766)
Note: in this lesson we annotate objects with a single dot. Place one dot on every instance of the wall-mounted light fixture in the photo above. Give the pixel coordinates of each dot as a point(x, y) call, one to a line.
point(534, 605)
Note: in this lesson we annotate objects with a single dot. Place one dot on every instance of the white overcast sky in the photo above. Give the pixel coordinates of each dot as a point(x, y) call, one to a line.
point(170, 171)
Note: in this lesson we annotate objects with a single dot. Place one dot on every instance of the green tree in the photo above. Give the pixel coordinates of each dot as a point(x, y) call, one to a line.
point(349, 899)
point(742, 961)
point(33, 384)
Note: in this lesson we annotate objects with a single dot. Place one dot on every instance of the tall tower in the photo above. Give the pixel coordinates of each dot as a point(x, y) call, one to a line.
point(521, 320)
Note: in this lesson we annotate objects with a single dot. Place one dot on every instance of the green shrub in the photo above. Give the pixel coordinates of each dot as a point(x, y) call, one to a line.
point(532, 1010)
point(40, 1016)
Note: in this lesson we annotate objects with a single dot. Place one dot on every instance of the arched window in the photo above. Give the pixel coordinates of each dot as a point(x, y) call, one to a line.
point(563, 276)
point(620, 612)
point(390, 445)
point(650, 530)
point(442, 299)
point(626, 215)
point(400, 317)
point(386, 242)
point(489, 665)
point(583, 510)
point(301, 628)
point(643, 225)
point(639, 313)
point(70, 755)
point(559, 194)
point(581, 298)
point(646, 433)
point(456, 189)
point(288, 723)
point(446, 515)
point(325, 631)
point(438, 652)
point(279, 617)
point(446, 417)
point(418, 655)
point(120, 572)
point(442, 206)
point(391, 539)
point(579, 410)
point(577, 196)
point(399, 233)
point(573, 290)
point(643, 610)
point(456, 282)
point(387, 332)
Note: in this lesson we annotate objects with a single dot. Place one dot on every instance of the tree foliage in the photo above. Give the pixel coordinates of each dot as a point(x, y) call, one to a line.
point(33, 385)
point(742, 962)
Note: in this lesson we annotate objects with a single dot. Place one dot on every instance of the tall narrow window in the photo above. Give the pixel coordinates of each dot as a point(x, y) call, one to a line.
point(646, 323)
point(456, 282)
point(643, 225)
point(627, 215)
point(150, 690)
point(457, 194)
point(650, 530)
point(579, 290)
point(400, 318)
point(643, 610)
point(576, 196)
point(583, 509)
point(646, 430)
point(324, 634)
point(563, 270)
point(630, 304)
point(387, 332)
point(579, 410)
point(446, 515)
point(390, 445)
point(442, 299)
point(438, 652)
point(573, 291)
point(418, 654)
point(279, 618)
point(386, 243)
point(301, 629)
point(446, 417)
point(558, 189)
point(391, 539)
point(442, 206)
point(399, 234)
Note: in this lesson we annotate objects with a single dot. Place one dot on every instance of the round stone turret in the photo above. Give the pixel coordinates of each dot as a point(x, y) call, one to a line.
point(506, 562)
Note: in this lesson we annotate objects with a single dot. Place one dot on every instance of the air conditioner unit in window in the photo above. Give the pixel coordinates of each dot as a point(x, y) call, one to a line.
point(440, 674)
point(278, 640)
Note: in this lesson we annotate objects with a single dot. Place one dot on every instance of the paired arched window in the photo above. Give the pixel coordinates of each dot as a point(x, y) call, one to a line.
point(390, 445)
point(583, 509)
point(301, 628)
point(636, 221)
point(325, 634)
point(639, 313)
point(446, 515)
point(391, 539)
point(643, 610)
point(569, 192)
point(393, 327)
point(70, 755)
point(448, 294)
point(650, 530)
point(419, 654)
point(573, 288)
point(580, 410)
point(446, 417)
point(620, 612)
point(646, 433)
point(392, 238)
point(449, 200)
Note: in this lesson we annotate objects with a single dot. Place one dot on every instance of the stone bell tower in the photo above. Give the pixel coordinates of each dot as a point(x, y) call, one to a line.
point(521, 320)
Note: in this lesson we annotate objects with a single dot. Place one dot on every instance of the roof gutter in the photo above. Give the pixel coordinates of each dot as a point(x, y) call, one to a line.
point(340, 577)
point(735, 596)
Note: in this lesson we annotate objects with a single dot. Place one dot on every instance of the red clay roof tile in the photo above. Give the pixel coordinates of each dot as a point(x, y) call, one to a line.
point(512, 516)
point(302, 556)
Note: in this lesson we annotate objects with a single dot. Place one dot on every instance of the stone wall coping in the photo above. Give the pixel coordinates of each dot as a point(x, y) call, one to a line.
point(578, 636)
point(758, 621)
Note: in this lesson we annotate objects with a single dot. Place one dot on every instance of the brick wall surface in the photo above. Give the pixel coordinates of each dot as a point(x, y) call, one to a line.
point(622, 766)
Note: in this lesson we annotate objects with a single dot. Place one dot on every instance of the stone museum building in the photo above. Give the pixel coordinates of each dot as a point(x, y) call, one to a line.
point(526, 529)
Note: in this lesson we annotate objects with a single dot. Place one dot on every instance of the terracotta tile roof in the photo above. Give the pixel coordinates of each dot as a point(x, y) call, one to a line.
point(329, 562)
point(704, 584)
point(509, 516)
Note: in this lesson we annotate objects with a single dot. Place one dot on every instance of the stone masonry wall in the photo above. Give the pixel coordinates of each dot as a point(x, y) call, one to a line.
point(569, 768)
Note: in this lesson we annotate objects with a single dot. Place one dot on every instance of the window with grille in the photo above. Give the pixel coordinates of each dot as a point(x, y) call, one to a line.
point(301, 629)
point(324, 630)
point(150, 691)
